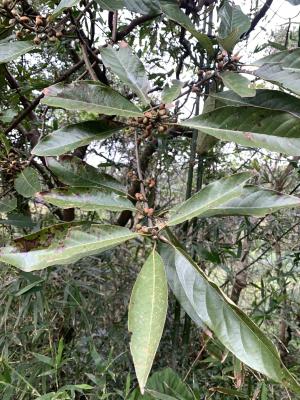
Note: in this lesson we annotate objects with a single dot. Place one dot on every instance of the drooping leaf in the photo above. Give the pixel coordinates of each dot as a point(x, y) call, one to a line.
point(63, 5)
point(232, 25)
point(286, 58)
point(12, 50)
point(88, 199)
point(165, 382)
point(143, 6)
point(255, 201)
point(147, 315)
point(8, 203)
point(62, 244)
point(238, 83)
point(273, 99)
point(227, 321)
point(73, 171)
point(211, 196)
point(252, 126)
point(233, 393)
point(27, 182)
point(170, 93)
point(91, 97)
point(129, 68)
point(173, 12)
point(72, 136)
point(288, 78)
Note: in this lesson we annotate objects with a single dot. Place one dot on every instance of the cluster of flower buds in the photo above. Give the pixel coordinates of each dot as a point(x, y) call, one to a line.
point(225, 61)
point(12, 165)
point(153, 122)
point(147, 230)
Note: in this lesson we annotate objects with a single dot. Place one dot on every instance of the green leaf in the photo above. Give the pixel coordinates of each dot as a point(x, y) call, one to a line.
point(294, 2)
point(129, 68)
point(62, 244)
point(63, 5)
point(12, 50)
point(93, 97)
point(252, 126)
point(170, 93)
point(143, 6)
point(27, 182)
point(173, 12)
point(238, 83)
point(228, 322)
point(286, 58)
point(165, 382)
point(288, 78)
point(87, 199)
point(73, 171)
point(230, 392)
point(209, 197)
point(8, 203)
point(147, 315)
point(233, 24)
point(20, 220)
point(73, 136)
point(273, 99)
point(111, 5)
point(44, 359)
point(255, 201)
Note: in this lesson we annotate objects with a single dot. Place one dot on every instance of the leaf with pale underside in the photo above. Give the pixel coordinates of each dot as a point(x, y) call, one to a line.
point(63, 5)
point(12, 50)
point(62, 244)
point(91, 97)
point(73, 136)
point(73, 171)
point(227, 321)
point(170, 93)
point(273, 130)
point(129, 68)
point(147, 315)
point(238, 83)
point(87, 199)
point(255, 201)
point(211, 196)
point(288, 78)
point(27, 182)
point(286, 58)
point(111, 5)
point(273, 99)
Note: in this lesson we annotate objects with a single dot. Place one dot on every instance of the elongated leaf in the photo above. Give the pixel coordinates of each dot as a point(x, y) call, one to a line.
point(8, 203)
point(172, 11)
point(27, 182)
point(288, 78)
point(228, 322)
point(63, 5)
point(90, 97)
point(273, 99)
point(252, 126)
point(165, 382)
point(170, 93)
point(12, 50)
point(20, 220)
point(147, 315)
point(72, 136)
point(88, 199)
point(143, 6)
point(209, 197)
point(111, 5)
point(286, 58)
point(129, 68)
point(62, 244)
point(255, 201)
point(294, 2)
point(73, 171)
point(238, 83)
point(233, 24)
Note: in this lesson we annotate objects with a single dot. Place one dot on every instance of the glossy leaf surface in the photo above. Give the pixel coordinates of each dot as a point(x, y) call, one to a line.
point(147, 315)
point(62, 244)
point(72, 136)
point(252, 126)
point(12, 50)
point(129, 68)
point(289, 78)
point(87, 199)
point(90, 97)
point(63, 5)
point(27, 182)
point(228, 322)
point(209, 197)
point(73, 171)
